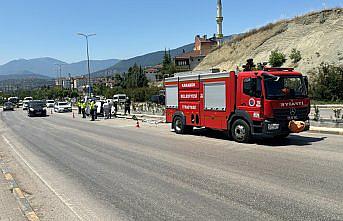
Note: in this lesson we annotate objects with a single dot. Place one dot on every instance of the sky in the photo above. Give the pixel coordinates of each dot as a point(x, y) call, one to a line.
point(128, 28)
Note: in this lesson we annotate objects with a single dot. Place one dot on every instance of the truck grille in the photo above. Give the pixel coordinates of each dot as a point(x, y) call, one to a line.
point(290, 114)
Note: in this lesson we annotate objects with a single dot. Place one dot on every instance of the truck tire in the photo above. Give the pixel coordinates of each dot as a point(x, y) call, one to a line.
point(240, 131)
point(180, 127)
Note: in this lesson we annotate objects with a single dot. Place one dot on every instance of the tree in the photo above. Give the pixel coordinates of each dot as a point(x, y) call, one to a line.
point(327, 82)
point(277, 59)
point(168, 67)
point(295, 56)
point(118, 80)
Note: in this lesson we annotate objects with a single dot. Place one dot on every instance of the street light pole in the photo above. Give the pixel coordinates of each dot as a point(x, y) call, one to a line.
point(88, 62)
point(59, 78)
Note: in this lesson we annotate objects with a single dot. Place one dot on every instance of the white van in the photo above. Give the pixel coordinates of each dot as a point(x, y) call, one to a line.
point(119, 98)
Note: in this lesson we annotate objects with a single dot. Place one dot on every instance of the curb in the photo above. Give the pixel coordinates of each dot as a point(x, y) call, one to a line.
point(25, 206)
point(326, 131)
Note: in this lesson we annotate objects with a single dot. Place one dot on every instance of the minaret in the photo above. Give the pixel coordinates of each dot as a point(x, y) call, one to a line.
point(219, 19)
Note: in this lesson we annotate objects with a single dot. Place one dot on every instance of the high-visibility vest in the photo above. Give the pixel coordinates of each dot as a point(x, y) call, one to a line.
point(92, 106)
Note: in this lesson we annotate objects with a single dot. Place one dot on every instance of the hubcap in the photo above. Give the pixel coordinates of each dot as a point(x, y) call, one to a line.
point(240, 132)
point(178, 125)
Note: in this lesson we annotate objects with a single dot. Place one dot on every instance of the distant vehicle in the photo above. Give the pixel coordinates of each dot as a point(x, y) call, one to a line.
point(119, 98)
point(20, 103)
point(8, 106)
point(36, 108)
point(14, 100)
point(28, 99)
point(50, 103)
point(25, 105)
point(62, 106)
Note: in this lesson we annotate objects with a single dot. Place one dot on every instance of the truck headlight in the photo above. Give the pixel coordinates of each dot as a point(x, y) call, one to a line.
point(273, 126)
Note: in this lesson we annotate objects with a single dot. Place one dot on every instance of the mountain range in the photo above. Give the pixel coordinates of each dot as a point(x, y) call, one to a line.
point(144, 60)
point(150, 59)
point(46, 67)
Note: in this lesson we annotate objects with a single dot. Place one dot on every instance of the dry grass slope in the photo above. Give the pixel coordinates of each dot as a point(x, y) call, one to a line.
point(317, 35)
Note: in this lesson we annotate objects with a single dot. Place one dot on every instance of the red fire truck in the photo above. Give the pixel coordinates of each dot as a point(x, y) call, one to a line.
point(245, 104)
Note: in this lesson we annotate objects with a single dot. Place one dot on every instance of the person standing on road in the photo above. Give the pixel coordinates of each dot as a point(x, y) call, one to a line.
point(127, 106)
point(95, 111)
point(106, 110)
point(115, 106)
point(110, 105)
point(91, 107)
point(79, 106)
point(88, 108)
point(83, 109)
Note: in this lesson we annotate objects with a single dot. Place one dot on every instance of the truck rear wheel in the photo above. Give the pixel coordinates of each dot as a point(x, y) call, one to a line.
point(240, 131)
point(180, 127)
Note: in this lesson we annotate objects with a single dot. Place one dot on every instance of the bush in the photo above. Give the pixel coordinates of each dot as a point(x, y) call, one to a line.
point(327, 82)
point(295, 56)
point(277, 59)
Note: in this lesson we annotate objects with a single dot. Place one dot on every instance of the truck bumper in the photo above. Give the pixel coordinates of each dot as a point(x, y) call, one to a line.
point(270, 128)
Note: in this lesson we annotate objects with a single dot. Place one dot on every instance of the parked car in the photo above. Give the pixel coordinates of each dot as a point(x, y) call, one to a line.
point(62, 106)
point(14, 101)
point(25, 105)
point(119, 98)
point(20, 103)
point(8, 106)
point(50, 103)
point(36, 108)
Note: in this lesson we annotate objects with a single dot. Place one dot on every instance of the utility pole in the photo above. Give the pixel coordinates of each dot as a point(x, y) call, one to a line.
point(88, 64)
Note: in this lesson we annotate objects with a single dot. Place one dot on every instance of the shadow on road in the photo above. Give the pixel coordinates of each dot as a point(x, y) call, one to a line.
point(295, 140)
point(292, 140)
point(206, 132)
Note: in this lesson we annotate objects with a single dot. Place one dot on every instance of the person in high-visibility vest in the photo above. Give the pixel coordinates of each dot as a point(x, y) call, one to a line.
point(79, 106)
point(92, 110)
point(83, 109)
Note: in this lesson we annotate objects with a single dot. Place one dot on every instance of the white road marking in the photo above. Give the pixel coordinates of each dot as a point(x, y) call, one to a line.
point(42, 179)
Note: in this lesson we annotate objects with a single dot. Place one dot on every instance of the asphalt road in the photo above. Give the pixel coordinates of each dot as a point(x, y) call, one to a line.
point(114, 171)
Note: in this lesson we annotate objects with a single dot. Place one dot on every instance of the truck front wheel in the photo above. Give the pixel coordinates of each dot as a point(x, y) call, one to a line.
point(180, 127)
point(240, 131)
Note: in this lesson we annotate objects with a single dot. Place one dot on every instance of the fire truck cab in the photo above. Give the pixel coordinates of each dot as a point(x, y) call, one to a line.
point(245, 104)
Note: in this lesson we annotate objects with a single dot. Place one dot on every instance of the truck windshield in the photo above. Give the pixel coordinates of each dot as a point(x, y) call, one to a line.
point(285, 87)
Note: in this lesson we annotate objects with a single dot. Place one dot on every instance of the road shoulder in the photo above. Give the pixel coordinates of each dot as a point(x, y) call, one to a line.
point(9, 207)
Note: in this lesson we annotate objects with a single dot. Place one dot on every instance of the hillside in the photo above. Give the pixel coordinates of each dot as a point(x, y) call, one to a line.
point(23, 75)
point(46, 66)
point(318, 36)
point(144, 60)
